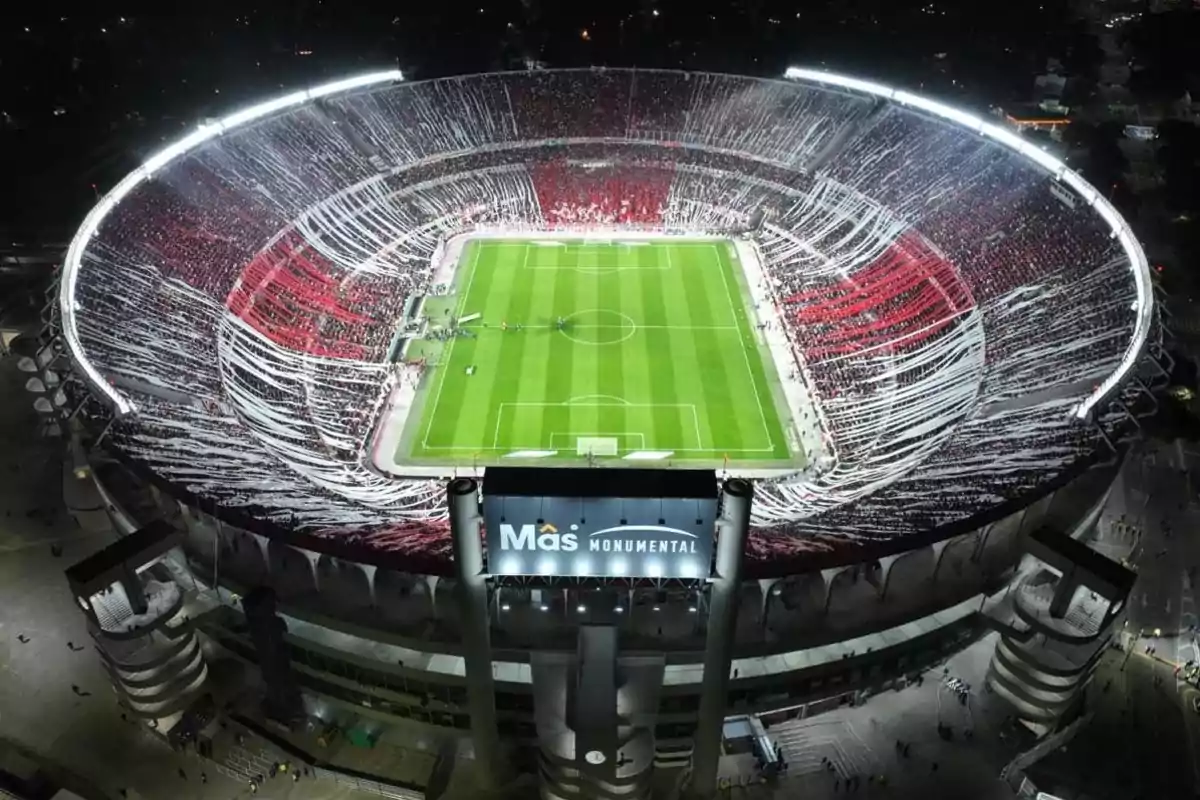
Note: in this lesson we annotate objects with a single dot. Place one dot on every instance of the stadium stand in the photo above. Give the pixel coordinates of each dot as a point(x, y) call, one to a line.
point(585, 194)
point(245, 296)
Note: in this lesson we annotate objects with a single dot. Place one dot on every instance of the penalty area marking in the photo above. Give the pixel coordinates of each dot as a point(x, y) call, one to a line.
point(573, 438)
point(593, 269)
point(582, 399)
point(699, 448)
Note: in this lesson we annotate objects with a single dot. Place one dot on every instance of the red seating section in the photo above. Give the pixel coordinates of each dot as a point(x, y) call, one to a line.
point(908, 295)
point(571, 194)
point(289, 293)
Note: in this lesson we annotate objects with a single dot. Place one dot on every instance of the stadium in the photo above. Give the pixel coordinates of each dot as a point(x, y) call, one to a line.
point(917, 335)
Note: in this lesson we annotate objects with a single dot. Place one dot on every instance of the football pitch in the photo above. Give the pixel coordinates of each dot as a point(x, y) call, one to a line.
point(642, 353)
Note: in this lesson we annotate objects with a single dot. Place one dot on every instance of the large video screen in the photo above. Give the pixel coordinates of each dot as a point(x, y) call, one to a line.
point(636, 537)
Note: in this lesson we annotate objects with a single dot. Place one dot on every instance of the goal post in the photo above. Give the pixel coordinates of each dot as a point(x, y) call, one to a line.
point(596, 446)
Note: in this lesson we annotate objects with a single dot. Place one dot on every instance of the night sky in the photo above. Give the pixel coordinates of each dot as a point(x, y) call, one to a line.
point(84, 95)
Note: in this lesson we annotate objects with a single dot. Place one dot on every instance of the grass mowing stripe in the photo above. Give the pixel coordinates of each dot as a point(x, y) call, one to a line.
point(560, 352)
point(583, 416)
point(523, 357)
point(474, 418)
point(664, 371)
point(610, 367)
point(443, 429)
point(667, 433)
point(711, 351)
point(639, 418)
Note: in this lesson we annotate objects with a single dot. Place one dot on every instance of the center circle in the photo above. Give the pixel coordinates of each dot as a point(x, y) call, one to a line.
point(597, 326)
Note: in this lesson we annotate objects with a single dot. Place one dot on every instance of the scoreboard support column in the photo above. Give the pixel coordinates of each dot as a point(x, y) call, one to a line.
point(724, 585)
point(471, 593)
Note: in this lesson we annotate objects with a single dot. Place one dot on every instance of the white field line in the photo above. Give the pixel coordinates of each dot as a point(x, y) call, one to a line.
point(695, 414)
point(638, 326)
point(715, 452)
point(762, 415)
point(597, 435)
point(699, 448)
point(445, 365)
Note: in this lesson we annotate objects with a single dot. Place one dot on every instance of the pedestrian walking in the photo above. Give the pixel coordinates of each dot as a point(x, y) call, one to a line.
point(182, 774)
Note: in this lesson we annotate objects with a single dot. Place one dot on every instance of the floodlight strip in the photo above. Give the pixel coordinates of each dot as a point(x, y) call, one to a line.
point(91, 223)
point(1144, 306)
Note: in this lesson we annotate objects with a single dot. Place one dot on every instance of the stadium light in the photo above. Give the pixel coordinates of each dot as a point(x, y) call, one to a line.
point(1002, 136)
point(916, 101)
point(263, 109)
point(844, 81)
point(67, 303)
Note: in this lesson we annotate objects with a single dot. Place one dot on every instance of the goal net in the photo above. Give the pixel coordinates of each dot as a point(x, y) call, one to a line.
point(596, 445)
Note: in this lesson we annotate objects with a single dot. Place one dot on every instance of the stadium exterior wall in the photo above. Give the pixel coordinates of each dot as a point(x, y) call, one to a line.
point(850, 636)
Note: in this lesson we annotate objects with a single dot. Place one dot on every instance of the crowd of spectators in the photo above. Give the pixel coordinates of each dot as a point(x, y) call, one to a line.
point(574, 194)
point(291, 294)
point(272, 265)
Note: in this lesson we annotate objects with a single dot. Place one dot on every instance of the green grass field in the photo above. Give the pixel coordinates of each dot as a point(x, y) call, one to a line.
point(655, 351)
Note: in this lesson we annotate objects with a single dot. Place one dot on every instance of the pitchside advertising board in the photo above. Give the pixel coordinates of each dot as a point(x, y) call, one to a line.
point(601, 523)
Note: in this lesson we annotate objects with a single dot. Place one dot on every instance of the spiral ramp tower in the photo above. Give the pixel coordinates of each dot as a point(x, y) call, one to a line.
point(1055, 623)
point(595, 718)
point(136, 618)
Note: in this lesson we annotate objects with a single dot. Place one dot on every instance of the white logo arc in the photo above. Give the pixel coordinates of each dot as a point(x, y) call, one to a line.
point(651, 528)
